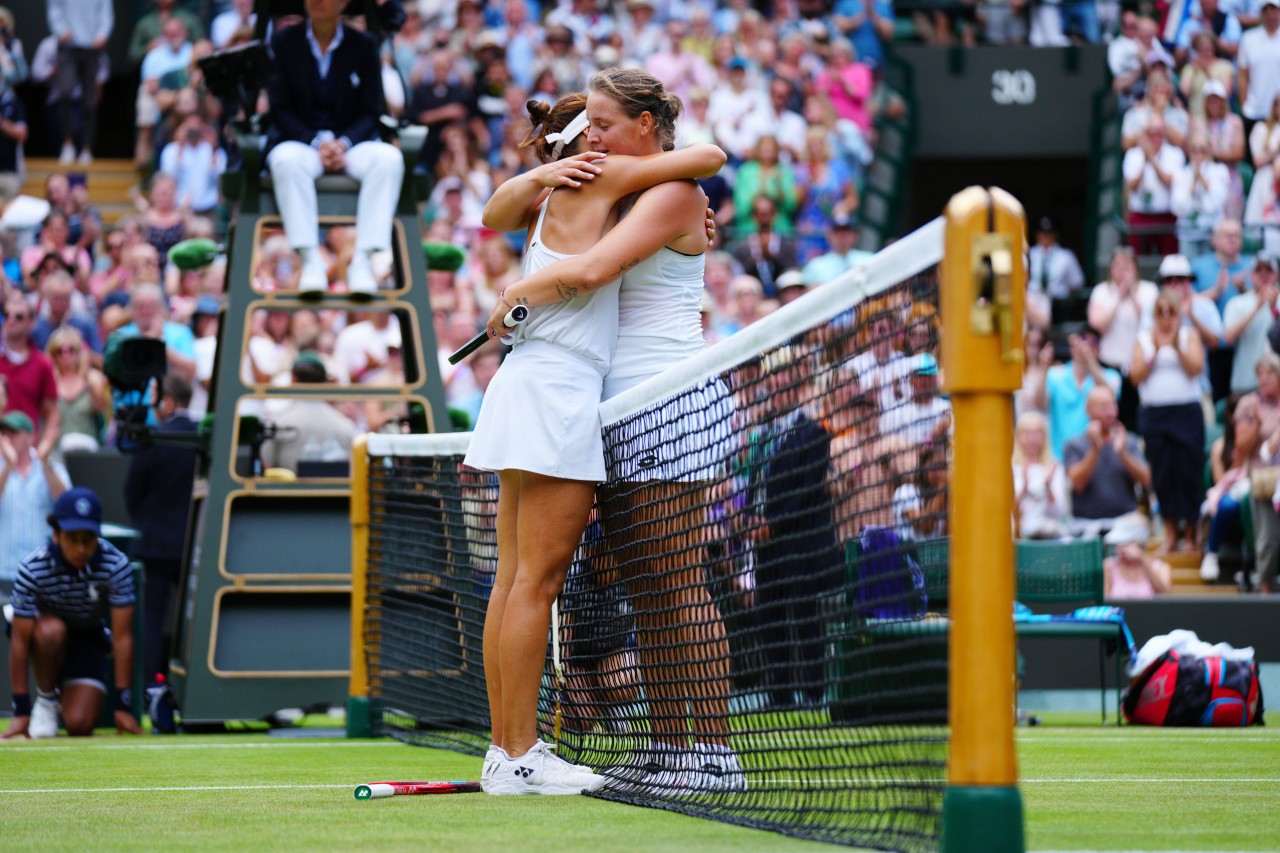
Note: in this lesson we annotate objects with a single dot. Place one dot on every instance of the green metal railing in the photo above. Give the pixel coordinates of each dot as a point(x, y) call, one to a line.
point(884, 194)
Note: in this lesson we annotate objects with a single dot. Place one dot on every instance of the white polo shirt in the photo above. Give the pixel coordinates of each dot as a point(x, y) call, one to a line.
point(1260, 53)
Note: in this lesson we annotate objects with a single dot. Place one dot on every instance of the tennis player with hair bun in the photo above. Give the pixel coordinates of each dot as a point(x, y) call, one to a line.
point(539, 425)
point(658, 248)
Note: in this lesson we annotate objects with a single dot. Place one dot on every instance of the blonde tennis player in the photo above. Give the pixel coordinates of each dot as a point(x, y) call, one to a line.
point(653, 499)
point(539, 429)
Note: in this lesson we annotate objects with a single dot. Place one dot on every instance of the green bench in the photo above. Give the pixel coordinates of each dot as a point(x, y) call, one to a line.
point(883, 668)
point(1069, 573)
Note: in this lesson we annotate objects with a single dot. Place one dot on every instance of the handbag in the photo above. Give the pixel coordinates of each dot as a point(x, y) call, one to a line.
point(1263, 480)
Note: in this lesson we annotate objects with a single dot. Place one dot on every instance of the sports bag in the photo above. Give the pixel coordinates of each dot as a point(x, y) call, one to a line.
point(1184, 690)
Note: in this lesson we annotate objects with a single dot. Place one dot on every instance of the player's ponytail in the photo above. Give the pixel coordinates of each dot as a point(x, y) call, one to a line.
point(547, 120)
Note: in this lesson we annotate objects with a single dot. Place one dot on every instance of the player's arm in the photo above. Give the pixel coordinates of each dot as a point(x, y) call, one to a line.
point(625, 175)
point(122, 643)
point(19, 657)
point(513, 205)
point(647, 228)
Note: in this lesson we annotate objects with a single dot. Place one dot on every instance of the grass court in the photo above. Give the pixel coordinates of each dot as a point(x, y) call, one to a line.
point(1083, 788)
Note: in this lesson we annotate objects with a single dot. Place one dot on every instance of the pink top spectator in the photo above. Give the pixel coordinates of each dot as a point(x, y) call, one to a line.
point(848, 85)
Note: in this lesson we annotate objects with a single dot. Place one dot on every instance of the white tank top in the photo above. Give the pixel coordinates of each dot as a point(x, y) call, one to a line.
point(659, 319)
point(587, 325)
point(1167, 384)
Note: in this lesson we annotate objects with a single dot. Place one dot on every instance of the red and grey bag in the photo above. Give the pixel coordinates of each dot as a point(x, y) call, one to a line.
point(1182, 690)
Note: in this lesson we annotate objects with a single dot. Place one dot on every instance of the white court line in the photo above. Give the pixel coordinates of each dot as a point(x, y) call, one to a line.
point(164, 788)
point(1149, 739)
point(326, 744)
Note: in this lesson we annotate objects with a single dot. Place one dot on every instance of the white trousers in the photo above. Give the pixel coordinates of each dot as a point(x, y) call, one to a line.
point(378, 167)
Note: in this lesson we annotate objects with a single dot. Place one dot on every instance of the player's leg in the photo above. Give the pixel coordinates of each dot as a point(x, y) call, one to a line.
point(695, 654)
point(684, 637)
point(508, 501)
point(552, 515)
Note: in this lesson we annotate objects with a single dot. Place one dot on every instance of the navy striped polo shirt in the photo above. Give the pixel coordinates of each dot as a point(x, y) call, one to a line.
point(46, 584)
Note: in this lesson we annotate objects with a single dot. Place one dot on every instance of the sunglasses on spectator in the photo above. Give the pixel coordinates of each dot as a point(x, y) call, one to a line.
point(1165, 312)
point(67, 349)
point(17, 317)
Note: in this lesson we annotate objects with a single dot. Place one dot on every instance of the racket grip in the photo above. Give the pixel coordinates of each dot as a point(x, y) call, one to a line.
point(375, 791)
point(515, 317)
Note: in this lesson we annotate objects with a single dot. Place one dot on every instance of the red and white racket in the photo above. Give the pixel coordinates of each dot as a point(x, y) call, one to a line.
point(378, 790)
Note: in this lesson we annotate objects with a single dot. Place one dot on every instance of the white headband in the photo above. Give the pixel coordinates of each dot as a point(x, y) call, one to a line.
point(570, 133)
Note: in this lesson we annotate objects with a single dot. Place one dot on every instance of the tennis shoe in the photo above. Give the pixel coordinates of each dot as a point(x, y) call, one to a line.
point(540, 771)
point(657, 772)
point(719, 769)
point(44, 718)
point(492, 758)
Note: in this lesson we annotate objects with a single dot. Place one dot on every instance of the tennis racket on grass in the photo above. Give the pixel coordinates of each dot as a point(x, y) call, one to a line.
point(515, 317)
point(378, 790)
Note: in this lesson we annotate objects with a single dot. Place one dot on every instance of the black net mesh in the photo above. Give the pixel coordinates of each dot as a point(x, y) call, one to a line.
point(748, 631)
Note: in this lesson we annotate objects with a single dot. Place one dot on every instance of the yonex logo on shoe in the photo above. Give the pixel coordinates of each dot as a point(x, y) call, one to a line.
point(524, 772)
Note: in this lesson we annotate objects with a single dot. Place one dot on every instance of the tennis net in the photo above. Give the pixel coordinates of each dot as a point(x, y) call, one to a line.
point(746, 633)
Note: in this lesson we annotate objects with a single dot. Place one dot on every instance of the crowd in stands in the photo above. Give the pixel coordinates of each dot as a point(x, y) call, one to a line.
point(1139, 412)
point(793, 96)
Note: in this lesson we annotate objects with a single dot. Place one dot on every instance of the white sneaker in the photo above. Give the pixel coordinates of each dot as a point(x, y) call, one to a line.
point(719, 769)
point(1209, 567)
point(360, 278)
point(656, 772)
point(68, 155)
point(492, 758)
point(315, 275)
point(44, 718)
point(540, 771)
point(86, 158)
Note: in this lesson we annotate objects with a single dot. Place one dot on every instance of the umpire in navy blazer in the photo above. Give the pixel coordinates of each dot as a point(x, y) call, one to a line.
point(326, 99)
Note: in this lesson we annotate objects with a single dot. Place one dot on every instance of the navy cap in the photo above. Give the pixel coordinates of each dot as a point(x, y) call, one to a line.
point(78, 509)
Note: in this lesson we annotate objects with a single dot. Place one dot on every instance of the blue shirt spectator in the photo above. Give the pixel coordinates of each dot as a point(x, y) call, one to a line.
point(1221, 274)
point(1067, 387)
point(868, 24)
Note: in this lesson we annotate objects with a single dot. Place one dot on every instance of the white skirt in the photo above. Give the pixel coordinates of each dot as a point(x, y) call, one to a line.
point(688, 438)
point(541, 414)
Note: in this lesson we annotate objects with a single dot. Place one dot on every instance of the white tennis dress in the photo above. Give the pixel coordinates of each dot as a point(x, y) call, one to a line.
point(659, 325)
point(541, 413)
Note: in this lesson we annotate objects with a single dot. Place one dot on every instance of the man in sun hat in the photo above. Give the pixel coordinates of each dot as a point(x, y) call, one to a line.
point(61, 599)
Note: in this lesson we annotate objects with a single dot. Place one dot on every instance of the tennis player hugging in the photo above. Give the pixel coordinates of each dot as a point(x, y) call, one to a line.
point(539, 425)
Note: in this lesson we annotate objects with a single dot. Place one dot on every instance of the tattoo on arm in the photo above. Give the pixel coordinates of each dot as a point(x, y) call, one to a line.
point(566, 291)
point(626, 265)
point(522, 300)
